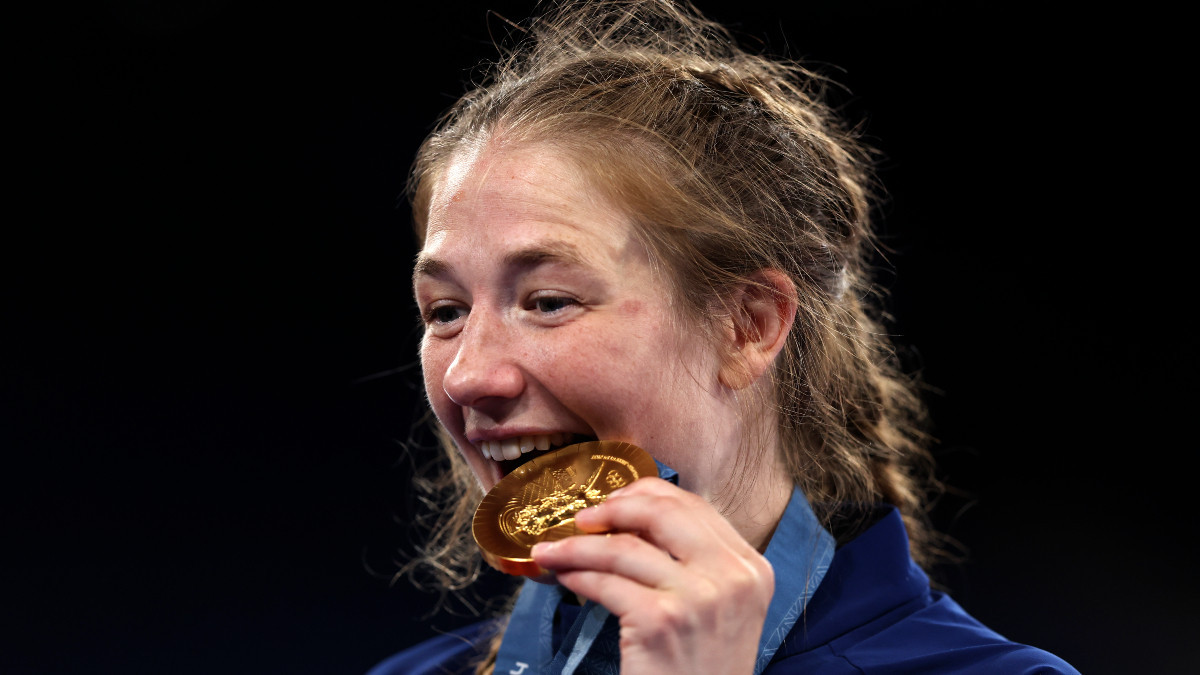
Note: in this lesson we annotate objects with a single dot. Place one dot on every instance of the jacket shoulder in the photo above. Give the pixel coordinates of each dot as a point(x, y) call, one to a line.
point(938, 637)
point(454, 653)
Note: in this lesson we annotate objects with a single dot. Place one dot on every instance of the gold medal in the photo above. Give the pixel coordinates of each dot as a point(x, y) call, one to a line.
point(538, 501)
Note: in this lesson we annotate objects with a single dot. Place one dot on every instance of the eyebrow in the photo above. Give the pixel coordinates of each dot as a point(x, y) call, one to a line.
point(532, 256)
point(429, 267)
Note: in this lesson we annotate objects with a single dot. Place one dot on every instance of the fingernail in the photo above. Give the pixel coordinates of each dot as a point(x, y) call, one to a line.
point(542, 547)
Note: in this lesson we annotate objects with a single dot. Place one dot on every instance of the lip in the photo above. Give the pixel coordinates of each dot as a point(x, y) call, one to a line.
point(494, 435)
point(479, 435)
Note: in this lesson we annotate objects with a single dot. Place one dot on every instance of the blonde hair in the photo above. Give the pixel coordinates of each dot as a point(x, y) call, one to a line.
point(728, 163)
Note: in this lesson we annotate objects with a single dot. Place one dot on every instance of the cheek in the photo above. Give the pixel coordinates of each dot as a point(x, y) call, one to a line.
point(613, 376)
point(434, 363)
point(433, 369)
point(630, 308)
point(430, 371)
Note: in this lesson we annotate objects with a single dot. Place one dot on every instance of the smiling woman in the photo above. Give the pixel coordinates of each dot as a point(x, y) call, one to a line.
point(638, 232)
point(546, 322)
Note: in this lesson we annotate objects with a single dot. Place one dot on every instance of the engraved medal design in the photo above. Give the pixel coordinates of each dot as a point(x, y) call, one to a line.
point(538, 501)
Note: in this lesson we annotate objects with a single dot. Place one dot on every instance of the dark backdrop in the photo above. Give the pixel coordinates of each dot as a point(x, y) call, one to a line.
point(206, 264)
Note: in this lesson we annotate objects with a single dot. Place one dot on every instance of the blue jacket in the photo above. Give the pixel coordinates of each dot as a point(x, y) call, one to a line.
point(873, 613)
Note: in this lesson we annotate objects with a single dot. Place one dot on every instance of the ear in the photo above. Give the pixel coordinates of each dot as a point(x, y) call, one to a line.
point(761, 315)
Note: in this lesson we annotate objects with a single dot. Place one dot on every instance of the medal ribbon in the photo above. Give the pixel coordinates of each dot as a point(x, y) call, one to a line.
point(800, 552)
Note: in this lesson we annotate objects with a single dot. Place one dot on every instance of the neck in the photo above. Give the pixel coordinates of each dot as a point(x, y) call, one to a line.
point(754, 502)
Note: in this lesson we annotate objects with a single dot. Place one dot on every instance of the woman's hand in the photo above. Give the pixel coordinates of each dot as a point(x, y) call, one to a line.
point(690, 593)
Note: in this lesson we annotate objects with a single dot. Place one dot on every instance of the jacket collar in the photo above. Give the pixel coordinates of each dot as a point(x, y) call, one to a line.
point(870, 577)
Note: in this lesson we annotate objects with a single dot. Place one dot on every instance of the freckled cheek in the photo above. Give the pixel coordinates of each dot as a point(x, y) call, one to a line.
point(562, 363)
point(602, 379)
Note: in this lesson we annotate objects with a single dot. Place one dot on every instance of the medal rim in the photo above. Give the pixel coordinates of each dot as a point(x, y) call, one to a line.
point(486, 518)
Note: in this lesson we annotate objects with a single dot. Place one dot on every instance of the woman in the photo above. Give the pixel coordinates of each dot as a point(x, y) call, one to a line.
point(638, 232)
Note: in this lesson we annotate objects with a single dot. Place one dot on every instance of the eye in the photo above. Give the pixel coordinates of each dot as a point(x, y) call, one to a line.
point(551, 307)
point(445, 313)
point(442, 317)
point(552, 304)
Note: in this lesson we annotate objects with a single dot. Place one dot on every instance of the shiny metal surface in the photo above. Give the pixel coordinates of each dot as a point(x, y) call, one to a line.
point(538, 501)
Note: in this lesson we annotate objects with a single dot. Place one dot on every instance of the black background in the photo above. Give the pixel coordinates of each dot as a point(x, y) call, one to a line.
point(206, 259)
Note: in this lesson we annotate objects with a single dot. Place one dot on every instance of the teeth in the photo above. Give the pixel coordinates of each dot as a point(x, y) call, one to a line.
point(513, 448)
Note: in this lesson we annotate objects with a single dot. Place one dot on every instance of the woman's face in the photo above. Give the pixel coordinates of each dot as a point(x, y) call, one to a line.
point(545, 325)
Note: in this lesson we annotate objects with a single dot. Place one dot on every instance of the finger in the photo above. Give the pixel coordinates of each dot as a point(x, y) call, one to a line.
point(619, 595)
point(681, 523)
point(697, 507)
point(625, 555)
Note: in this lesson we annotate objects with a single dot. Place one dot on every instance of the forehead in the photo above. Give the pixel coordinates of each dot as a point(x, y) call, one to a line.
point(514, 197)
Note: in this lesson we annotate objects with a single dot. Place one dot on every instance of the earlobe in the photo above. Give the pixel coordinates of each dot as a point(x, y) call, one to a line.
point(761, 315)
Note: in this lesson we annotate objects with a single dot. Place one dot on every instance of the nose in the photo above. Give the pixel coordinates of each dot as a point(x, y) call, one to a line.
point(485, 368)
